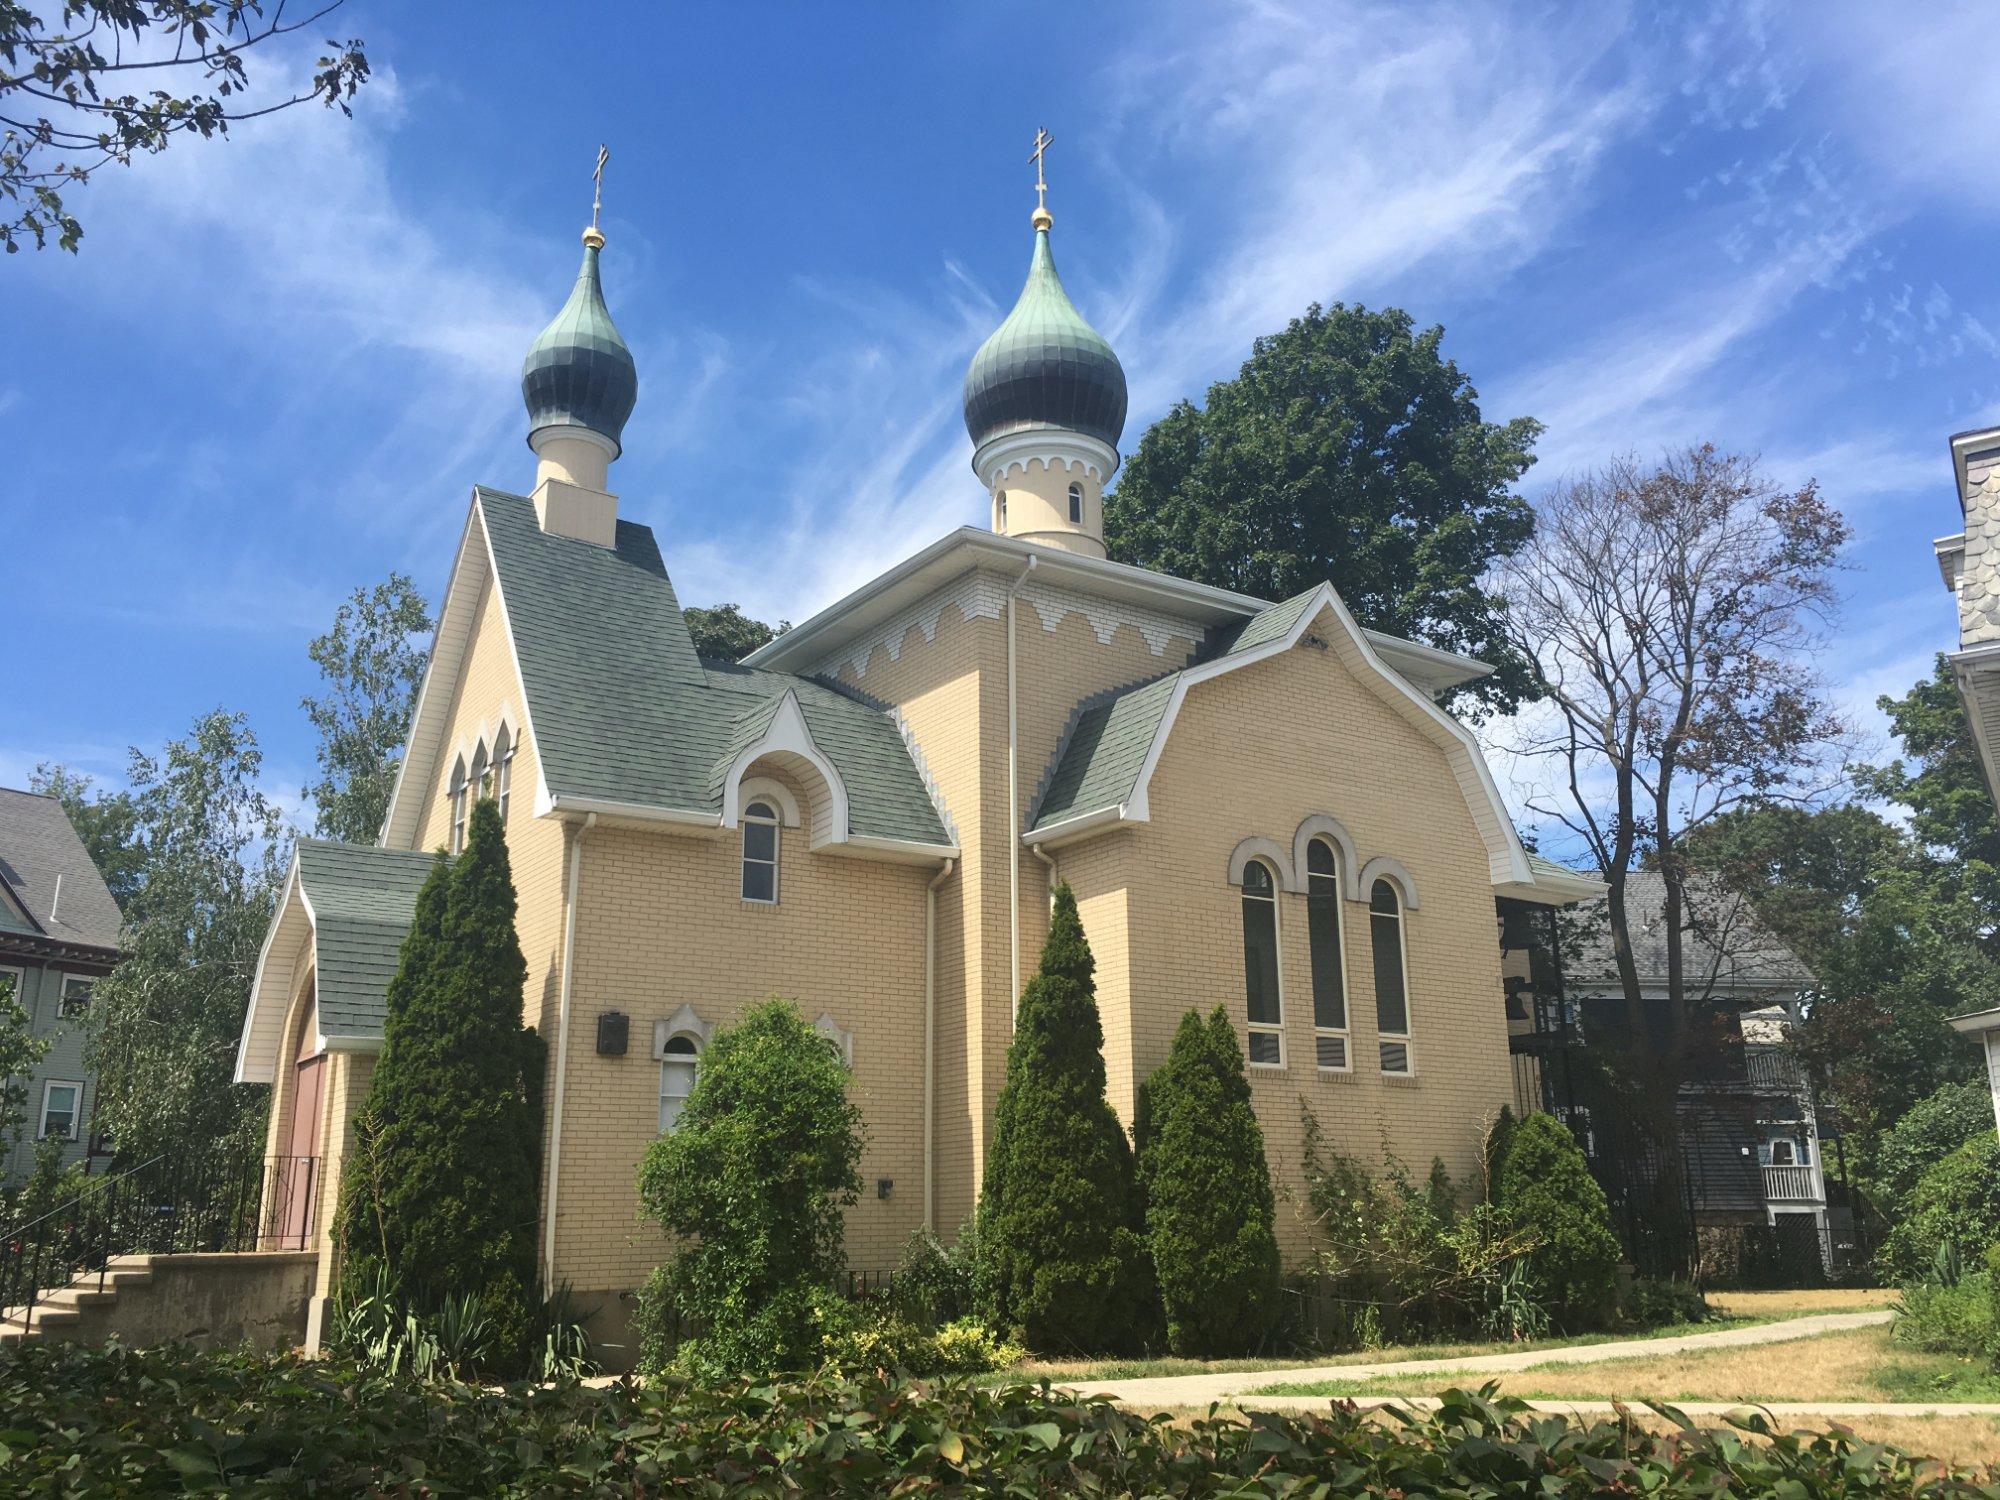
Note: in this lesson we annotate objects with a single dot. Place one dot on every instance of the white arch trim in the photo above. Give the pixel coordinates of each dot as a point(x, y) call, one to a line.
point(791, 742)
point(1347, 862)
point(840, 1036)
point(774, 791)
point(1268, 850)
point(1382, 867)
point(686, 1021)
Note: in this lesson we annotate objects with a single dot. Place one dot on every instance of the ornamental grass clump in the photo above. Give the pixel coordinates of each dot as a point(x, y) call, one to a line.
point(1209, 1207)
point(1061, 1256)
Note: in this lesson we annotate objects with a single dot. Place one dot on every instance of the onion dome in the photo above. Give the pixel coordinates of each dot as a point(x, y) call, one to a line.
point(1045, 367)
point(579, 373)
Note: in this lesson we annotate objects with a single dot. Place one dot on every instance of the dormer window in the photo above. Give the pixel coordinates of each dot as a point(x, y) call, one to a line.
point(1076, 504)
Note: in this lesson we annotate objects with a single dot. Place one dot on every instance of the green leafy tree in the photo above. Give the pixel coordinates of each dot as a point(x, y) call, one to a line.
point(1938, 778)
point(20, 1050)
point(1546, 1187)
point(1347, 448)
point(1060, 1253)
point(167, 1020)
point(442, 1192)
point(1954, 1209)
point(64, 112)
point(725, 633)
point(373, 663)
point(1209, 1207)
point(1935, 1127)
point(754, 1182)
point(106, 822)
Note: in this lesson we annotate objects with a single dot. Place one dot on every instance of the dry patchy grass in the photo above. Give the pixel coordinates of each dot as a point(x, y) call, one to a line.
point(1799, 1304)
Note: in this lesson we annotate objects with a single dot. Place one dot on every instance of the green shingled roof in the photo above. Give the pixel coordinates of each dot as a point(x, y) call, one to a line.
point(362, 899)
point(623, 709)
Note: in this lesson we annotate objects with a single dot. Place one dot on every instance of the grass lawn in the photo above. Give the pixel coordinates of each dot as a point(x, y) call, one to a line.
point(1859, 1366)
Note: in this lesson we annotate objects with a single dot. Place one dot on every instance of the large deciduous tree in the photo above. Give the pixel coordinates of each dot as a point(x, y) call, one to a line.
point(723, 632)
point(1347, 448)
point(105, 821)
point(1061, 1256)
point(1671, 615)
point(372, 661)
point(102, 82)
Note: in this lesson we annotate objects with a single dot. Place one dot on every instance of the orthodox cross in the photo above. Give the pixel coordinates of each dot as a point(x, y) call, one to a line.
point(597, 178)
point(1043, 140)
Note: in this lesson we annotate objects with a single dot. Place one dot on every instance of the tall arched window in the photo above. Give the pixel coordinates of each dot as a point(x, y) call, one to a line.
point(1392, 999)
point(482, 778)
point(1329, 968)
point(999, 509)
point(1260, 966)
point(1076, 504)
point(760, 852)
point(503, 768)
point(457, 841)
point(677, 1069)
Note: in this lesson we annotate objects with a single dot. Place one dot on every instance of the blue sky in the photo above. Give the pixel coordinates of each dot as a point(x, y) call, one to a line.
point(280, 361)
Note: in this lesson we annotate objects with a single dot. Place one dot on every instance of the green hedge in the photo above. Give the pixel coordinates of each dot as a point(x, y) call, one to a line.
point(110, 1421)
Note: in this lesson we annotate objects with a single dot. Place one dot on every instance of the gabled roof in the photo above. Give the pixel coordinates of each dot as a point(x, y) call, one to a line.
point(1727, 949)
point(625, 718)
point(47, 876)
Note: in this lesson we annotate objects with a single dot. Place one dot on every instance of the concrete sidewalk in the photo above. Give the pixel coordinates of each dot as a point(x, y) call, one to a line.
point(1203, 1390)
point(1780, 1411)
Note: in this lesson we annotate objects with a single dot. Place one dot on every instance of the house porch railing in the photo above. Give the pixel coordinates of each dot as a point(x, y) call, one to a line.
point(1793, 1184)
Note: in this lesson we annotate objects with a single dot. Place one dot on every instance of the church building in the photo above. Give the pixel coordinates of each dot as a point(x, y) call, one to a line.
point(1258, 803)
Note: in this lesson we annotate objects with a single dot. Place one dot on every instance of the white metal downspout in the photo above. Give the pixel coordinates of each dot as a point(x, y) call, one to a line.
point(930, 1044)
point(1050, 860)
point(1013, 808)
point(562, 1054)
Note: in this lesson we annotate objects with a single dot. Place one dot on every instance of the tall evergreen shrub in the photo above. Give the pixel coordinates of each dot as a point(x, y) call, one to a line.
point(1209, 1206)
point(1061, 1255)
point(442, 1192)
point(1545, 1186)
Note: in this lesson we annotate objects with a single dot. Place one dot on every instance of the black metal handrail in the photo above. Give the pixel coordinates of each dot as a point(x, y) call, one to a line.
point(216, 1201)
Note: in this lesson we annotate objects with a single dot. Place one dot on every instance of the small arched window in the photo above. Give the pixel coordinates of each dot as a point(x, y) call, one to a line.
point(1076, 504)
point(677, 1069)
point(1392, 998)
point(1260, 966)
point(503, 768)
point(760, 852)
point(999, 508)
point(1328, 964)
point(482, 774)
point(458, 803)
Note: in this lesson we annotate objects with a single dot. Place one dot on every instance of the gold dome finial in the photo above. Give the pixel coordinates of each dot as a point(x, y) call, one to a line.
point(1042, 219)
point(593, 236)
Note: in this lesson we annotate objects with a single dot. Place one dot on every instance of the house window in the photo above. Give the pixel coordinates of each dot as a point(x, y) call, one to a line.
point(681, 1057)
point(11, 988)
point(75, 997)
point(760, 852)
point(503, 769)
point(457, 805)
point(1392, 1000)
point(62, 1110)
point(999, 509)
point(1260, 966)
point(1784, 1154)
point(1328, 967)
point(1076, 504)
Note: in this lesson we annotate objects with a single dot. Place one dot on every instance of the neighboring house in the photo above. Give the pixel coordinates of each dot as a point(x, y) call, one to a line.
point(1970, 563)
point(58, 935)
point(1260, 805)
point(1749, 1132)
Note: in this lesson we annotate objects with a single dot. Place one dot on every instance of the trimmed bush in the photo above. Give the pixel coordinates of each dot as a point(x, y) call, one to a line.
point(117, 1421)
point(1060, 1254)
point(754, 1183)
point(1936, 1126)
point(1954, 1209)
point(1546, 1187)
point(1207, 1186)
point(1658, 1303)
point(440, 1199)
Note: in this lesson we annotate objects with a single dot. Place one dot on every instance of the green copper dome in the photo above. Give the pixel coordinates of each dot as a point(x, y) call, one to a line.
point(1045, 367)
point(579, 372)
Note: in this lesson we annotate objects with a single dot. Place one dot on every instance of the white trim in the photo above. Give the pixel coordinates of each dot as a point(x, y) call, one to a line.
point(686, 1021)
point(569, 804)
point(839, 1035)
point(998, 457)
point(1346, 862)
point(899, 851)
point(772, 790)
point(1383, 867)
point(788, 736)
point(1408, 1035)
point(247, 1071)
point(1270, 1028)
point(75, 1114)
point(1271, 852)
point(1341, 866)
point(1055, 835)
point(63, 982)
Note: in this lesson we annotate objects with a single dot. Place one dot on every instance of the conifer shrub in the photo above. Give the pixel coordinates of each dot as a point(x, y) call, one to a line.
point(753, 1183)
point(1207, 1187)
point(440, 1199)
point(1061, 1255)
point(1545, 1186)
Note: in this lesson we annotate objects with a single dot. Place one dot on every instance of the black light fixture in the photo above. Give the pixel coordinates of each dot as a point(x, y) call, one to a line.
point(614, 1033)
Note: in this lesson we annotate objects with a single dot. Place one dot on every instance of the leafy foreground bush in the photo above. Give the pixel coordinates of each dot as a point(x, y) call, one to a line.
point(1955, 1206)
point(84, 1422)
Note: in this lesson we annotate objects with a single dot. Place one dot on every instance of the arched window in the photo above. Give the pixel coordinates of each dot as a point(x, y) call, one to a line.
point(677, 1069)
point(1392, 999)
point(503, 768)
point(482, 778)
point(999, 508)
point(1260, 966)
point(1328, 964)
point(760, 852)
point(1076, 504)
point(457, 841)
